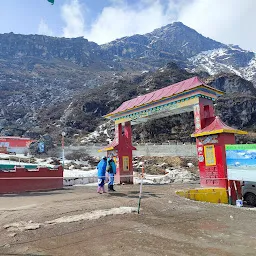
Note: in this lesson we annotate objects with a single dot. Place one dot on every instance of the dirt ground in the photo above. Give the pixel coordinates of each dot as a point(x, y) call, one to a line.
point(167, 224)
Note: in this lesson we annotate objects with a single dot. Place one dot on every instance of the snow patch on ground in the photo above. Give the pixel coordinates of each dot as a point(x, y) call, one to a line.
point(78, 173)
point(88, 175)
point(78, 177)
point(21, 160)
point(173, 176)
point(22, 226)
point(94, 215)
point(15, 162)
point(91, 136)
point(22, 156)
point(102, 131)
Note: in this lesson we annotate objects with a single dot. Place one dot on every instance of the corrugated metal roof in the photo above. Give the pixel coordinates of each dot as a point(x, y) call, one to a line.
point(168, 91)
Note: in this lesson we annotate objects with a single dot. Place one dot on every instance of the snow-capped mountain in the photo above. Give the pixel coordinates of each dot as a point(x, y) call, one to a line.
point(225, 60)
point(185, 46)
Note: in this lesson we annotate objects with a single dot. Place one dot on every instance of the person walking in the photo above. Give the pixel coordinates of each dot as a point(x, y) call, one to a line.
point(111, 169)
point(101, 167)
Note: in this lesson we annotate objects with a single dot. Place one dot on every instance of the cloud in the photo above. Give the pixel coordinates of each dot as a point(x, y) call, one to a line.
point(117, 20)
point(124, 20)
point(73, 16)
point(43, 29)
point(228, 21)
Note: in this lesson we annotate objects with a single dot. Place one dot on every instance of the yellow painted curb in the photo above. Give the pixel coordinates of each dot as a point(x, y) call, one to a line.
point(211, 195)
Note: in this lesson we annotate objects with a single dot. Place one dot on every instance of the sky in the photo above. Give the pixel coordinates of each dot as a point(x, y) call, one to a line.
point(101, 21)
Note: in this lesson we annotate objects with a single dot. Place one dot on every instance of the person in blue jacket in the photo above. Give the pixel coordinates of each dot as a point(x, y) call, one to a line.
point(101, 167)
point(111, 169)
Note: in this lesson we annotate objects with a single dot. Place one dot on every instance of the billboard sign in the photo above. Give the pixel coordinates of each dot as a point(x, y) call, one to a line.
point(241, 162)
point(41, 147)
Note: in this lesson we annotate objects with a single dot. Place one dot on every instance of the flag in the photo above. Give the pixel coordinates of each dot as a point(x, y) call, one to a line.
point(51, 1)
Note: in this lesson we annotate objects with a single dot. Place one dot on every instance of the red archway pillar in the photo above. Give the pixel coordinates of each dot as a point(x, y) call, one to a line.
point(123, 153)
point(203, 114)
point(212, 159)
point(211, 148)
point(212, 136)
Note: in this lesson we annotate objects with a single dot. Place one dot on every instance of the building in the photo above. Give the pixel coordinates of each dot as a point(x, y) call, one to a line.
point(16, 145)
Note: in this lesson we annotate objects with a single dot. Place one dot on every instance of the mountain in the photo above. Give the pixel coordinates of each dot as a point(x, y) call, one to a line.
point(38, 72)
point(179, 43)
point(50, 84)
point(175, 42)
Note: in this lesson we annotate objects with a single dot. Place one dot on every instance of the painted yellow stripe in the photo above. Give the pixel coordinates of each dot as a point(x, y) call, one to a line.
point(105, 149)
point(211, 195)
point(211, 88)
point(218, 131)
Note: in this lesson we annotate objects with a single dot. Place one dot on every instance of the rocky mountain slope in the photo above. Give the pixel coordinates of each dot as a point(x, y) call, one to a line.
point(38, 72)
point(237, 107)
point(48, 84)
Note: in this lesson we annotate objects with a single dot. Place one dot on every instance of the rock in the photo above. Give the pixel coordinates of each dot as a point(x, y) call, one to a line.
point(12, 234)
point(190, 165)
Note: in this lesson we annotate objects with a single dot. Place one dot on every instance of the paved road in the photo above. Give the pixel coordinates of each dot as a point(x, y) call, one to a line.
point(167, 225)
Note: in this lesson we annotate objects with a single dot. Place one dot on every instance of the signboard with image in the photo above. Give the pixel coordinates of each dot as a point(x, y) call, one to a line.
point(241, 162)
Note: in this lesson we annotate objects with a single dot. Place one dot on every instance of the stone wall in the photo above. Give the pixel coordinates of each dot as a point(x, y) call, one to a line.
point(187, 150)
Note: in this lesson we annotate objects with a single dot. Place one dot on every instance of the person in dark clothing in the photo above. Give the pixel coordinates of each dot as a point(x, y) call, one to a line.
point(111, 169)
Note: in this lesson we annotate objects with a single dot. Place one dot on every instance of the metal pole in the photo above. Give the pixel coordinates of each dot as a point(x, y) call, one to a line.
point(234, 182)
point(229, 193)
point(141, 182)
point(63, 152)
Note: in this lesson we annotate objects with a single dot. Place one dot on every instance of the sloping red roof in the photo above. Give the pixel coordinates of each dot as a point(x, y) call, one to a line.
point(160, 94)
point(217, 126)
point(114, 144)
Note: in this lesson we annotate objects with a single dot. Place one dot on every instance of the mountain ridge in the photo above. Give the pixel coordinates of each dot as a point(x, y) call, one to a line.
point(46, 83)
